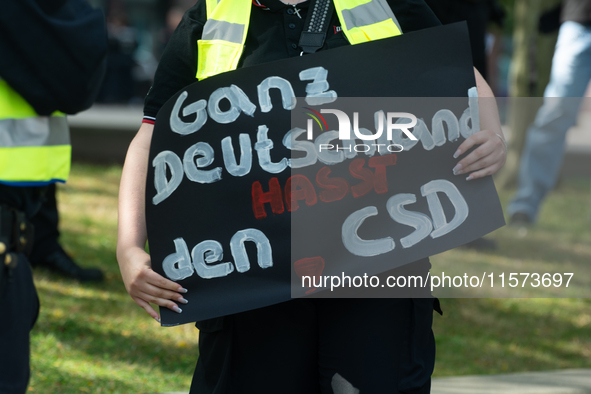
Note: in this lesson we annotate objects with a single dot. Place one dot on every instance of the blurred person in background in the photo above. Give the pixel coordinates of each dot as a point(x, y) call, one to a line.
point(47, 252)
point(119, 85)
point(535, 31)
point(173, 18)
point(544, 145)
point(51, 63)
point(137, 37)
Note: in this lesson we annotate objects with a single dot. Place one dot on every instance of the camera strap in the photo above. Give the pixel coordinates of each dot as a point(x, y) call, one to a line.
point(314, 33)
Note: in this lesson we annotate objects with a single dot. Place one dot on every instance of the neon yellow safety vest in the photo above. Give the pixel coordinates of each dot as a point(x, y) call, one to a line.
point(34, 150)
point(224, 33)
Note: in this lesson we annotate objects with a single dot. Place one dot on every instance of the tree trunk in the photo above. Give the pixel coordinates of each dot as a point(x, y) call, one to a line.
point(530, 72)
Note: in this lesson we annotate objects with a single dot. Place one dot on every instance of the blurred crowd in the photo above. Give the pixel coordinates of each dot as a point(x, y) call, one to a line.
point(137, 38)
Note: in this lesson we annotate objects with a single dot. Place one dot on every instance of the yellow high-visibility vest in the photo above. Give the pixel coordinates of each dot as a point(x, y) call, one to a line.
point(224, 33)
point(34, 150)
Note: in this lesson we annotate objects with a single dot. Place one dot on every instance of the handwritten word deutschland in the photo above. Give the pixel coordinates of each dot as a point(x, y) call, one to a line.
point(196, 162)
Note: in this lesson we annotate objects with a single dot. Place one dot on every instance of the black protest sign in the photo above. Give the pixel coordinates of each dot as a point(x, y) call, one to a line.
point(222, 190)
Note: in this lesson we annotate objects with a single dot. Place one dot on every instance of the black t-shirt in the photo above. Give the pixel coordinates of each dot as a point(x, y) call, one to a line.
point(577, 11)
point(273, 34)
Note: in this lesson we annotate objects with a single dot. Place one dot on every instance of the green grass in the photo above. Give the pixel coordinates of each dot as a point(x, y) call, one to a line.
point(93, 338)
point(488, 336)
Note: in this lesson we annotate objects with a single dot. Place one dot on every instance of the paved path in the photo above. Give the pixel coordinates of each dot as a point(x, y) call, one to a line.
point(566, 381)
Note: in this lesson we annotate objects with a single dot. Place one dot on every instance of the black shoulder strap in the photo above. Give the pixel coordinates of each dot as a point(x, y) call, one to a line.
point(314, 34)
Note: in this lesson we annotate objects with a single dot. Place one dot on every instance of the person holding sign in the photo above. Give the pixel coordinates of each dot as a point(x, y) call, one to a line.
point(303, 345)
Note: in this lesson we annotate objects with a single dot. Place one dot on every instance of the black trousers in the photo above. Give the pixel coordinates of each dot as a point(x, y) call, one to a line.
point(46, 222)
point(319, 346)
point(19, 308)
point(19, 304)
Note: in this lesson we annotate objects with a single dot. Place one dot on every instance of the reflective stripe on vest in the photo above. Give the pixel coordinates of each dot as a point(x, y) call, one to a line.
point(224, 32)
point(364, 21)
point(34, 150)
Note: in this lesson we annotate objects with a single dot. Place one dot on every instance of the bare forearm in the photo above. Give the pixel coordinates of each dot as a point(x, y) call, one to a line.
point(132, 220)
point(143, 284)
point(489, 112)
